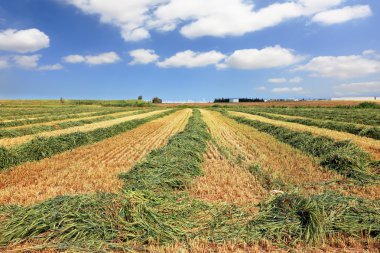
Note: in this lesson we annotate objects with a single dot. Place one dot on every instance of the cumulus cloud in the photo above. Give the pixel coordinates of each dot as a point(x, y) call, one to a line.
point(105, 58)
point(357, 89)
point(341, 67)
point(4, 63)
point(288, 89)
point(269, 57)
point(143, 56)
point(261, 88)
point(197, 18)
point(342, 15)
point(190, 59)
point(23, 41)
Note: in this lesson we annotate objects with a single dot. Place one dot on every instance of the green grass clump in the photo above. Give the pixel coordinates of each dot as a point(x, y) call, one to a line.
point(43, 147)
point(365, 131)
point(175, 165)
point(342, 156)
point(291, 217)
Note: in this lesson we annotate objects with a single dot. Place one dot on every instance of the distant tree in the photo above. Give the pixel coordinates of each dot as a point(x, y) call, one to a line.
point(140, 98)
point(157, 100)
point(62, 101)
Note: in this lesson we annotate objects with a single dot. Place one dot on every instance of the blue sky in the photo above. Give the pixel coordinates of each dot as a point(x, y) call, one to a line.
point(189, 50)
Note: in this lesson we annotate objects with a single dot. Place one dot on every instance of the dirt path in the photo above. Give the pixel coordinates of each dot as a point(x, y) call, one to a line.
point(370, 145)
point(9, 142)
point(88, 169)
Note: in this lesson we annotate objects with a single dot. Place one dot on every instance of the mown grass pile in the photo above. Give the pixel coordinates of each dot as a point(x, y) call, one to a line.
point(365, 131)
point(43, 147)
point(342, 156)
point(11, 133)
point(151, 210)
point(175, 165)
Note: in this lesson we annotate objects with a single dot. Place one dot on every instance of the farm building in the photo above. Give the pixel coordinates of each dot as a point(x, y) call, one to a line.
point(234, 100)
point(357, 98)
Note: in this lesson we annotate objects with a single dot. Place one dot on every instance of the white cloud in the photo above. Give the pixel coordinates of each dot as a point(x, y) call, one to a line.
point(369, 52)
point(342, 15)
point(277, 80)
point(342, 66)
point(75, 58)
point(190, 59)
point(285, 80)
point(26, 61)
point(288, 89)
point(357, 89)
point(51, 67)
point(143, 56)
point(197, 18)
point(105, 58)
point(269, 57)
point(23, 41)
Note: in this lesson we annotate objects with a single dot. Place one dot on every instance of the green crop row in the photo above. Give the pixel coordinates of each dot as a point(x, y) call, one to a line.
point(358, 116)
point(175, 165)
point(56, 117)
point(365, 131)
point(11, 133)
point(43, 147)
point(342, 156)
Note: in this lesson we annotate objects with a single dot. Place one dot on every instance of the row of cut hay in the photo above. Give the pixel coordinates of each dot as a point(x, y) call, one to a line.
point(342, 156)
point(361, 130)
point(43, 147)
point(53, 117)
point(138, 216)
point(25, 113)
point(175, 165)
point(344, 115)
point(12, 133)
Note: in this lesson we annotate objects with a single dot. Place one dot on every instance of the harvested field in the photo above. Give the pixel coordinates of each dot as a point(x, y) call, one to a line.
point(370, 145)
point(89, 169)
point(9, 142)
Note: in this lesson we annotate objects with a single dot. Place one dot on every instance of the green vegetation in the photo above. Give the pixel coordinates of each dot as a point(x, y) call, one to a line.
point(11, 133)
point(342, 156)
point(361, 130)
point(151, 210)
point(41, 147)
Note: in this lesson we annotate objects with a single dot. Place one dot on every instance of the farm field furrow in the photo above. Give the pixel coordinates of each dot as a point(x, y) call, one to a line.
point(370, 145)
point(9, 142)
point(88, 169)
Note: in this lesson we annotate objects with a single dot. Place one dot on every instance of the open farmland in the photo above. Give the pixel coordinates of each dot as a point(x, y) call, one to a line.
point(101, 178)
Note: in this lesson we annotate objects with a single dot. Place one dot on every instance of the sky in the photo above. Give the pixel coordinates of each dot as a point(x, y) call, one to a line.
point(181, 50)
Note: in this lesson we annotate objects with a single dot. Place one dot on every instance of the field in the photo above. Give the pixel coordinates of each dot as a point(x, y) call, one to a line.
point(125, 176)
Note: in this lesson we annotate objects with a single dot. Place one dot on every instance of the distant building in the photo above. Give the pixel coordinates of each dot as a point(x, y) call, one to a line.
point(356, 99)
point(234, 100)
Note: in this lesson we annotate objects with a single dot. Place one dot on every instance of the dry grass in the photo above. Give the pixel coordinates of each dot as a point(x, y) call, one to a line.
point(253, 147)
point(9, 142)
point(88, 169)
point(370, 145)
point(225, 182)
point(80, 117)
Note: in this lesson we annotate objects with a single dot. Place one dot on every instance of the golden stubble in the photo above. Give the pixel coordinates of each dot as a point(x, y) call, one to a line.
point(370, 145)
point(225, 182)
point(88, 169)
point(9, 142)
